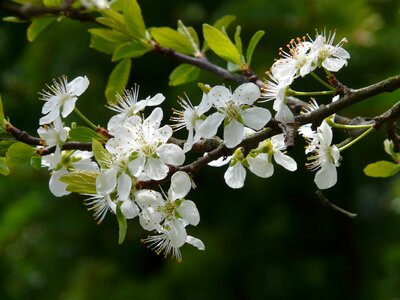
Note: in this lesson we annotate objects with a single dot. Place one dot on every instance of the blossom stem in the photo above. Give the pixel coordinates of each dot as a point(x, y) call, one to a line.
point(323, 82)
point(85, 119)
point(365, 133)
point(337, 125)
point(320, 93)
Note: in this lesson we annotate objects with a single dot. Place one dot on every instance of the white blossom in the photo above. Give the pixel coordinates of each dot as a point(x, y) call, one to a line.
point(61, 98)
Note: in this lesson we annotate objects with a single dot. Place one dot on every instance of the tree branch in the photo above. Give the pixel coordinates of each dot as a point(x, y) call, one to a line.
point(329, 204)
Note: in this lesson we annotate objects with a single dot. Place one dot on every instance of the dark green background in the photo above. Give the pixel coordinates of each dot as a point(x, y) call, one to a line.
point(272, 239)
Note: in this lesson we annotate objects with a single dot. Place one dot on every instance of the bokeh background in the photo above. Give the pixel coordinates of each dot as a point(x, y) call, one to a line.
point(272, 239)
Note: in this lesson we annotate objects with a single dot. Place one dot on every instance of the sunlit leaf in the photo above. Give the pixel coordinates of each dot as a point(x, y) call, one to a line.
point(4, 170)
point(382, 169)
point(118, 79)
point(170, 38)
point(4, 145)
point(182, 74)
point(83, 134)
point(80, 181)
point(190, 34)
point(37, 26)
point(252, 45)
point(110, 35)
point(102, 45)
point(220, 24)
point(130, 50)
point(103, 157)
point(36, 162)
point(221, 44)
point(113, 19)
point(134, 19)
point(18, 154)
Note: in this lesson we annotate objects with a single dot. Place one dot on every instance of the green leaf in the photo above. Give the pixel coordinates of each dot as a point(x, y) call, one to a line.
point(113, 19)
point(130, 50)
point(221, 44)
point(36, 162)
point(170, 38)
point(190, 34)
point(220, 24)
point(121, 224)
point(14, 20)
point(382, 169)
point(109, 35)
point(80, 181)
point(134, 19)
point(4, 145)
point(83, 134)
point(102, 45)
point(4, 170)
point(103, 157)
point(18, 154)
point(238, 40)
point(1, 112)
point(37, 26)
point(52, 2)
point(252, 45)
point(118, 79)
point(182, 74)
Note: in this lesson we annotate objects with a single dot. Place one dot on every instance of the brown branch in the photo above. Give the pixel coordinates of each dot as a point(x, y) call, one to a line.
point(329, 204)
point(28, 11)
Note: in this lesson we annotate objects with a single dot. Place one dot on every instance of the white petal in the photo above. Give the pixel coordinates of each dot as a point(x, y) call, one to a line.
point(124, 186)
point(57, 187)
point(177, 234)
point(284, 114)
point(233, 133)
point(149, 198)
point(51, 116)
point(285, 161)
point(255, 117)
point(171, 154)
point(235, 176)
point(136, 166)
point(49, 105)
point(261, 166)
point(204, 105)
point(68, 106)
point(189, 212)
point(156, 169)
point(246, 93)
point(77, 86)
point(222, 161)
point(156, 100)
point(180, 185)
point(154, 120)
point(326, 177)
point(129, 209)
point(195, 242)
point(165, 133)
point(278, 142)
point(326, 133)
point(219, 95)
point(209, 127)
point(106, 181)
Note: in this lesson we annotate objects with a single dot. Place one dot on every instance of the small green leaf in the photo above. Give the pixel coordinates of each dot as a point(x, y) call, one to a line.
point(238, 40)
point(83, 134)
point(80, 181)
point(37, 26)
point(252, 45)
point(221, 44)
point(103, 157)
point(134, 19)
point(4, 145)
point(121, 224)
point(182, 74)
point(170, 38)
point(118, 79)
point(113, 19)
point(130, 50)
point(4, 170)
point(220, 24)
point(102, 45)
point(190, 34)
point(18, 154)
point(36, 162)
point(109, 35)
point(382, 169)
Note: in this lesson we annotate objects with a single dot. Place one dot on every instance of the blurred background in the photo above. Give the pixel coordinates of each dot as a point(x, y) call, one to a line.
point(273, 239)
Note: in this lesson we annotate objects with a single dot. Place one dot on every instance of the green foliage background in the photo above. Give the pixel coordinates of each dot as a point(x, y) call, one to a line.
point(271, 240)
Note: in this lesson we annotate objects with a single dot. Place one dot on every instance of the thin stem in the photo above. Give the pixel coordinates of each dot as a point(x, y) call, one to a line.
point(85, 119)
point(337, 125)
point(365, 133)
point(320, 93)
point(323, 82)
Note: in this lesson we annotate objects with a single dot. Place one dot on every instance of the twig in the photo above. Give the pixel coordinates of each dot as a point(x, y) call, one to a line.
point(329, 204)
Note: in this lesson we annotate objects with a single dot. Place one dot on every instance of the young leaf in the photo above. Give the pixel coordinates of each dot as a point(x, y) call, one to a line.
point(109, 35)
point(103, 157)
point(18, 154)
point(221, 44)
point(134, 19)
point(121, 224)
point(252, 45)
point(4, 170)
point(80, 181)
point(113, 19)
point(382, 169)
point(130, 50)
point(118, 79)
point(238, 40)
point(170, 38)
point(83, 134)
point(102, 45)
point(37, 26)
point(220, 24)
point(190, 34)
point(182, 74)
point(4, 145)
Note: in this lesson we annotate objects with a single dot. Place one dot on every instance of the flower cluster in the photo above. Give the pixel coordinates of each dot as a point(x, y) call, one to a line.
point(135, 155)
